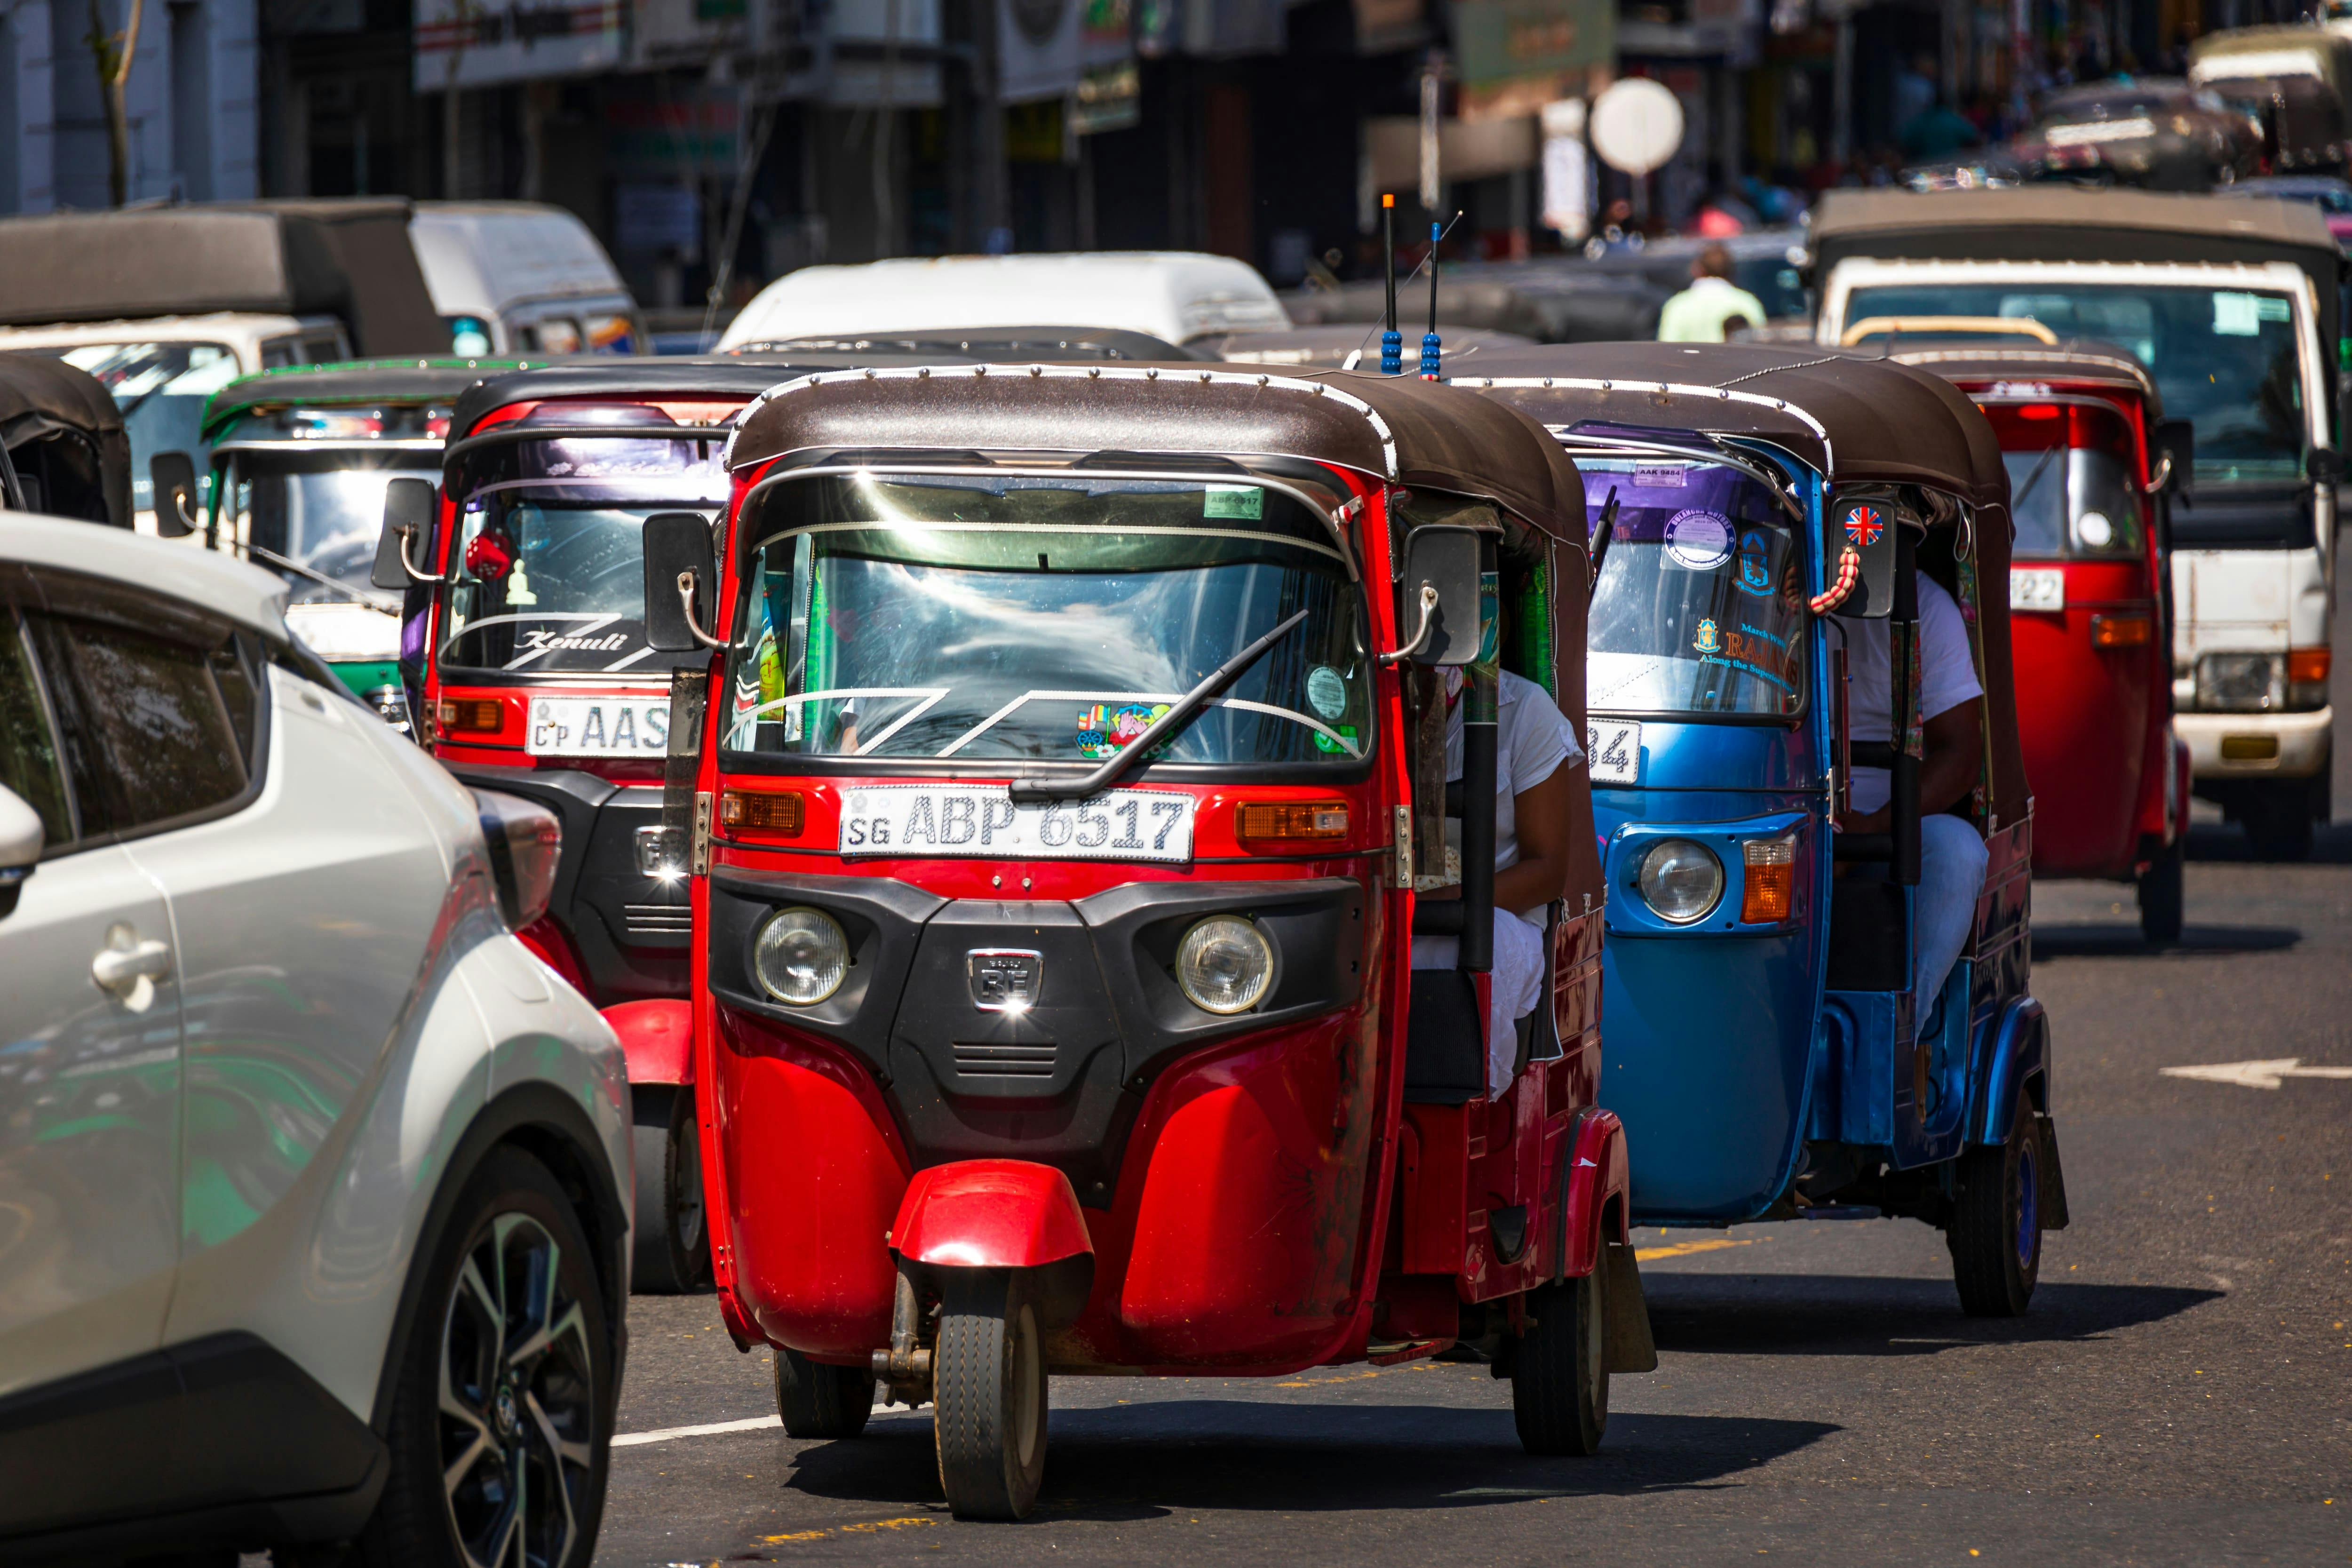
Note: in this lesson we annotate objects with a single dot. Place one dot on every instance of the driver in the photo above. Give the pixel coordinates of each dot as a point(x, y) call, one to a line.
point(1951, 706)
point(1535, 748)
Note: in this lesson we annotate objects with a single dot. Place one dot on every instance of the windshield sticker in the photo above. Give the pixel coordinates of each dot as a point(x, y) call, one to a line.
point(1346, 744)
point(1755, 567)
point(1656, 476)
point(1105, 731)
point(1700, 541)
point(1246, 502)
point(1326, 692)
point(2236, 315)
point(1709, 639)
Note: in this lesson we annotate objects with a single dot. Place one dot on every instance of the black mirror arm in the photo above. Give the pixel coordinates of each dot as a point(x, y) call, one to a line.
point(1421, 632)
point(1037, 792)
point(686, 606)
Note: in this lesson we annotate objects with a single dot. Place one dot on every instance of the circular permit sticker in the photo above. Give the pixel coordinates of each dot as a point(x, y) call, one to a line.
point(1698, 540)
point(1326, 692)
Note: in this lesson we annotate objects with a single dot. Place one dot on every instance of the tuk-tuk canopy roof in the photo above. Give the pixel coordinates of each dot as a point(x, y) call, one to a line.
point(386, 381)
point(1397, 428)
point(40, 397)
point(1857, 421)
point(2068, 223)
point(1997, 360)
point(350, 259)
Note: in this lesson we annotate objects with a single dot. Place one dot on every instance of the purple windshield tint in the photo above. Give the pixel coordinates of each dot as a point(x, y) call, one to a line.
point(1650, 496)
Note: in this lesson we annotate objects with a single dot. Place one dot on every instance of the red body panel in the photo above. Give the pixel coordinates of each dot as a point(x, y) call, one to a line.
point(547, 938)
point(657, 1038)
point(989, 1213)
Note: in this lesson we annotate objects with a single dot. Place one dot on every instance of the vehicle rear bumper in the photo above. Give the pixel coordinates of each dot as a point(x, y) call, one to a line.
point(2302, 740)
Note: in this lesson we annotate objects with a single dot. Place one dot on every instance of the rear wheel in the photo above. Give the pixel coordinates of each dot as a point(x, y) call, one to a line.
point(1559, 1370)
point(2161, 897)
point(988, 1395)
point(817, 1399)
point(672, 1255)
point(1996, 1231)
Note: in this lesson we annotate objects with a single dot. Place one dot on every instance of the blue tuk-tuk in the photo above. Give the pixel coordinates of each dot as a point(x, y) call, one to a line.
point(1753, 508)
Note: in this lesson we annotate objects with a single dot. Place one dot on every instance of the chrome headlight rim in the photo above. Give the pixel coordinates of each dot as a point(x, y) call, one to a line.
point(817, 923)
point(1254, 939)
point(1646, 878)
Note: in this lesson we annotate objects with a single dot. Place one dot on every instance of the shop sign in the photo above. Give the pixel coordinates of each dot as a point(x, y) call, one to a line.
point(1496, 40)
point(465, 44)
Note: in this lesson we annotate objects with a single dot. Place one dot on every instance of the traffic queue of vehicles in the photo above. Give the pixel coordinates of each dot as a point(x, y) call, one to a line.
point(978, 841)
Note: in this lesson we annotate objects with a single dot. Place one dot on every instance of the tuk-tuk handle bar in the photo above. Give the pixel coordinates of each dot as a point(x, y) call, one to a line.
point(1421, 632)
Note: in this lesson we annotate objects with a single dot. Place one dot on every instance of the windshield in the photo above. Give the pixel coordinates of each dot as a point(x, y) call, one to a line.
point(2072, 486)
point(322, 510)
point(548, 574)
point(161, 389)
point(1046, 619)
point(1777, 284)
point(2224, 359)
point(1700, 607)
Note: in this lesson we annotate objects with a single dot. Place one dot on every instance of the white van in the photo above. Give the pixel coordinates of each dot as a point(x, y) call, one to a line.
point(1175, 295)
point(512, 277)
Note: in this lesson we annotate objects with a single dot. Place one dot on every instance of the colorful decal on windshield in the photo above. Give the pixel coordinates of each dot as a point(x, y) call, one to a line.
point(1698, 540)
point(1105, 731)
point(1657, 476)
point(1324, 742)
point(1754, 563)
point(1709, 639)
point(1326, 692)
point(1864, 525)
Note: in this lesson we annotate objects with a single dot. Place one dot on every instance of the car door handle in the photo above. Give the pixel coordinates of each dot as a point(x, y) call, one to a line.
point(127, 968)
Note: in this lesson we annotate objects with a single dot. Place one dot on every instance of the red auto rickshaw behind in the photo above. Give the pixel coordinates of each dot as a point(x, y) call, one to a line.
point(1015, 1066)
point(2092, 463)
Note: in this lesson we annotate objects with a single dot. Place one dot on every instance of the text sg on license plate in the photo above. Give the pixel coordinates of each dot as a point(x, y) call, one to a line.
point(598, 727)
point(982, 820)
point(2037, 588)
point(1613, 747)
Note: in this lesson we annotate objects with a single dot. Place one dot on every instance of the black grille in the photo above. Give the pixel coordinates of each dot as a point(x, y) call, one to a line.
point(1004, 1061)
point(658, 919)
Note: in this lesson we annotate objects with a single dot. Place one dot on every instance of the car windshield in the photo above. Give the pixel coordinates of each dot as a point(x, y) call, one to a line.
point(161, 388)
point(2224, 359)
point(914, 616)
point(547, 575)
point(1700, 606)
point(2071, 484)
point(323, 510)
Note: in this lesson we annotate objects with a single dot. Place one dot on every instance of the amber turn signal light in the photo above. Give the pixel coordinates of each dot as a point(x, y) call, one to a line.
point(764, 811)
point(469, 716)
point(2121, 631)
point(1292, 821)
point(2308, 666)
point(1770, 888)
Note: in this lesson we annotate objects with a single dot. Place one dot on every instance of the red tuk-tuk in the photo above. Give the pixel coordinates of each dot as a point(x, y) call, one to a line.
point(2091, 461)
point(1074, 733)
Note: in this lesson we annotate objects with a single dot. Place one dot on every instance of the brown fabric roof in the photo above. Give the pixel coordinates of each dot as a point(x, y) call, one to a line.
point(1417, 432)
point(41, 397)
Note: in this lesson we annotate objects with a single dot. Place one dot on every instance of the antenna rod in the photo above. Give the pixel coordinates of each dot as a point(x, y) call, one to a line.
point(1392, 341)
point(1429, 344)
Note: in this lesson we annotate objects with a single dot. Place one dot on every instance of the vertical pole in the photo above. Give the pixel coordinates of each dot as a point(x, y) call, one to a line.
point(1480, 696)
point(1902, 645)
point(1429, 344)
point(1392, 341)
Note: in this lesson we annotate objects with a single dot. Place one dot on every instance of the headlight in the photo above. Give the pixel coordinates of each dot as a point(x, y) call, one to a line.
point(1681, 880)
point(801, 956)
point(2240, 682)
point(2095, 530)
point(1225, 965)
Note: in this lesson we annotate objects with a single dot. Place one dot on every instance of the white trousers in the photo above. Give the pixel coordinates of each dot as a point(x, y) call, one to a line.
point(1517, 987)
point(1951, 874)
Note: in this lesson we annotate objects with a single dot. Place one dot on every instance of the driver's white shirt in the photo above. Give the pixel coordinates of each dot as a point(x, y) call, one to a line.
point(1947, 678)
point(1533, 741)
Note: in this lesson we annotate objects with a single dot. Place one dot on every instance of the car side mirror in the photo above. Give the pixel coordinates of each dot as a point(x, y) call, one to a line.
point(2327, 464)
point(1443, 595)
point(408, 507)
point(173, 475)
point(681, 582)
point(20, 847)
point(2176, 441)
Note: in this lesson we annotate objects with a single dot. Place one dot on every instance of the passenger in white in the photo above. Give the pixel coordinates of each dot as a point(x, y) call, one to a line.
point(1535, 748)
point(1951, 706)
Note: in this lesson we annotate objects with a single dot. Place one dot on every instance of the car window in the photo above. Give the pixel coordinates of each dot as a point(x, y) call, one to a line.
point(28, 744)
point(555, 335)
point(146, 719)
point(279, 353)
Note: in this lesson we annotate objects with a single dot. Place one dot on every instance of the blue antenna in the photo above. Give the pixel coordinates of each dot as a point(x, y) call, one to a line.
point(1429, 344)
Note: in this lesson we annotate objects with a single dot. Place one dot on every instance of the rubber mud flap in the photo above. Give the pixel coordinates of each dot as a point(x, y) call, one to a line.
point(1625, 1314)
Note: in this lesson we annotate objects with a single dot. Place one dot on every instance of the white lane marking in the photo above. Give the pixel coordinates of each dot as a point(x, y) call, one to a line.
point(2256, 1075)
point(714, 1428)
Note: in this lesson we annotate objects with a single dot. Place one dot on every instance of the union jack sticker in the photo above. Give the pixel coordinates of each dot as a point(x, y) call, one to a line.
point(1864, 525)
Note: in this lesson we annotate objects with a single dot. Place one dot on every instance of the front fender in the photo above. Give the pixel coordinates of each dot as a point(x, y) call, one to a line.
point(2018, 1054)
point(1593, 1173)
point(1000, 1213)
point(657, 1038)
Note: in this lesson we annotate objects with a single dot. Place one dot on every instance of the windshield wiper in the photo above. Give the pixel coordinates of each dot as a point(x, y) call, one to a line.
point(321, 578)
point(2034, 477)
point(1036, 790)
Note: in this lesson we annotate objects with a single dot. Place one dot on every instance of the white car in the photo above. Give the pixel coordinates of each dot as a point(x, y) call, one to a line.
point(314, 1182)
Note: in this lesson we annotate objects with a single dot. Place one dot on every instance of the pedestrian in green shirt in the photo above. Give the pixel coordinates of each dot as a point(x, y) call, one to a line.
point(1700, 313)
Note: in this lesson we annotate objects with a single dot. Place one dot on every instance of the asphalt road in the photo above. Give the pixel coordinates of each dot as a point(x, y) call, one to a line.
point(2180, 1392)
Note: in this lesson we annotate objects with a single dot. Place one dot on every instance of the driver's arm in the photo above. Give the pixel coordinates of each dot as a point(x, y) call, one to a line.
point(1541, 812)
point(1954, 743)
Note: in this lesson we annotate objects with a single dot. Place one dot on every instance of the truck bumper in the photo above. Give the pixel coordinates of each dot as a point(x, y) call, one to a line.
point(2296, 749)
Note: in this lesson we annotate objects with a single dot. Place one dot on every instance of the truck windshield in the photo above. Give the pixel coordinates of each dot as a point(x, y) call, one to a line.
point(911, 615)
point(547, 574)
point(2225, 359)
point(1700, 607)
point(323, 510)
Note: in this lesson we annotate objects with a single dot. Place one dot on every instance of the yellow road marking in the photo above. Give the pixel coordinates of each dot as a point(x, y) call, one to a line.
point(865, 1529)
point(1683, 1249)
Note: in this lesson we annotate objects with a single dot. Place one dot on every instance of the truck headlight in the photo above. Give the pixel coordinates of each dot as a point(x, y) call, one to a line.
point(801, 956)
point(1225, 965)
point(1681, 880)
point(2240, 682)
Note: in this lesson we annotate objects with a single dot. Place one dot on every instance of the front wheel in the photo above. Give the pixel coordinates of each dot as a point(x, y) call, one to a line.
point(1559, 1370)
point(1996, 1231)
point(672, 1255)
point(2161, 895)
point(499, 1436)
point(988, 1396)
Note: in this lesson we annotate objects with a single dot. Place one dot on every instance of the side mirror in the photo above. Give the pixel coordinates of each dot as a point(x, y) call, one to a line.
point(681, 582)
point(1444, 592)
point(1867, 525)
point(20, 847)
point(408, 508)
point(2175, 442)
point(2327, 464)
point(173, 475)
